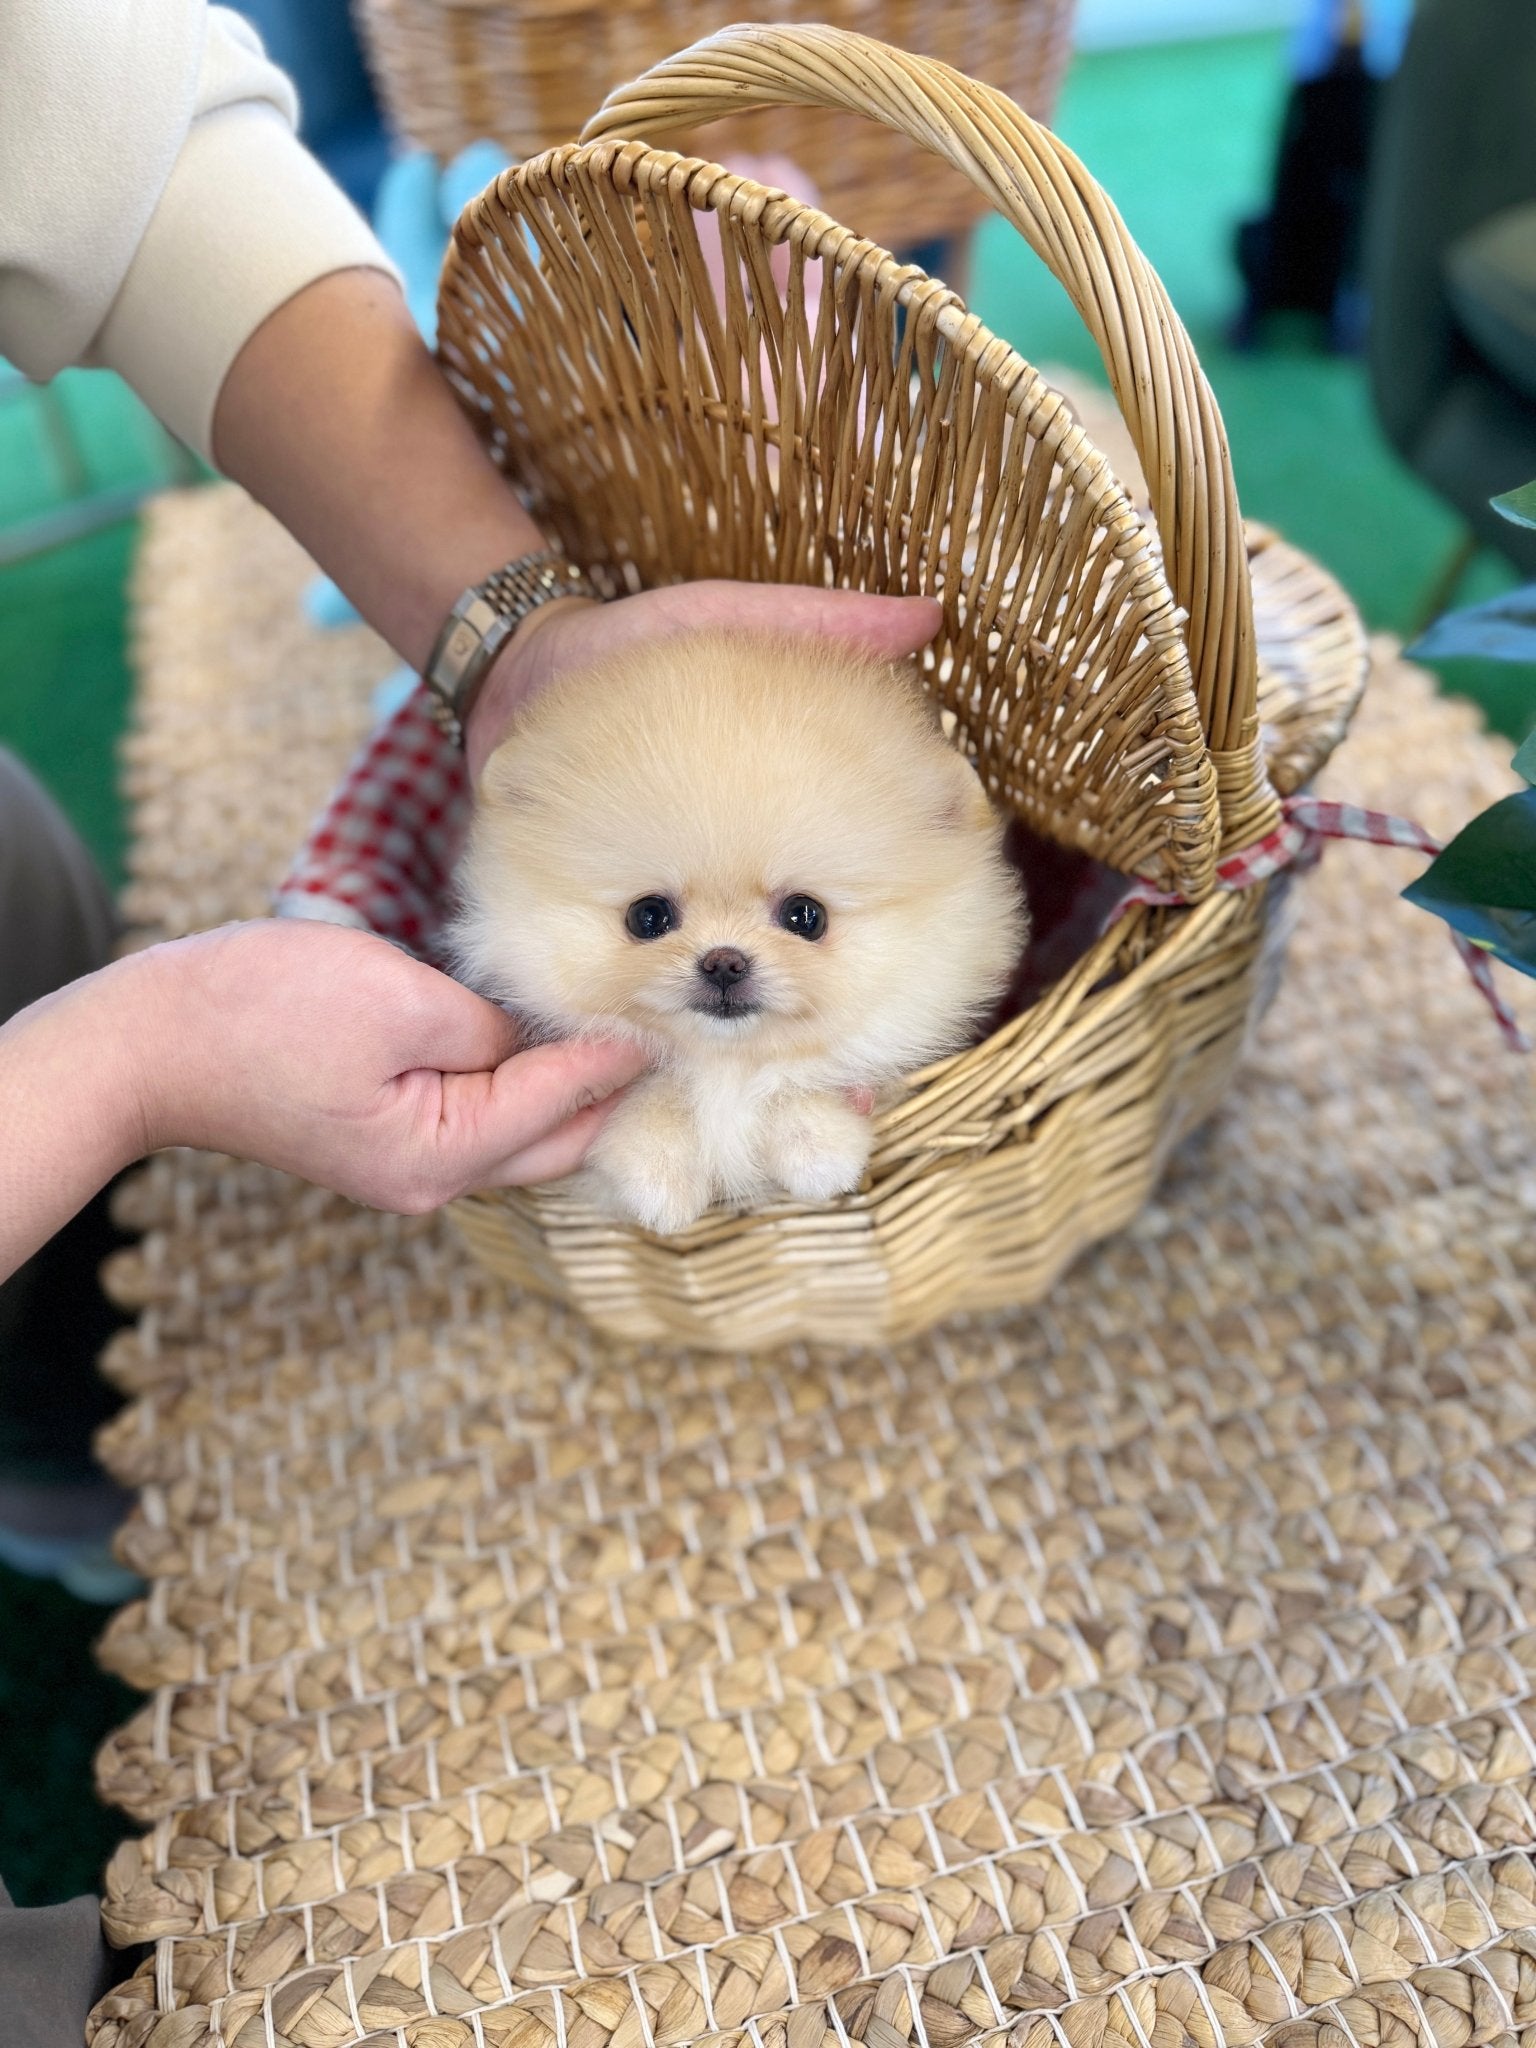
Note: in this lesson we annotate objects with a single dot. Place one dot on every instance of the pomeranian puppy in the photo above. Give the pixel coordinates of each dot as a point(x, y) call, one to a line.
point(764, 862)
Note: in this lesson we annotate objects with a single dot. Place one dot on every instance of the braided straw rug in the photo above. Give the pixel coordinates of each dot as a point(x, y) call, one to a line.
point(1158, 1666)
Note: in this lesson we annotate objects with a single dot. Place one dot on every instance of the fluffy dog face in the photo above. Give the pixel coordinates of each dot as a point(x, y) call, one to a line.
point(739, 848)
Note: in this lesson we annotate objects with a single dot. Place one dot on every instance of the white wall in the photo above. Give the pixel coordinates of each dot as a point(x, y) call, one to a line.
point(1108, 24)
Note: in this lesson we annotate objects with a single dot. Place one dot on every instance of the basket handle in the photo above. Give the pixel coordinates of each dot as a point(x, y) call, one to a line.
point(1040, 186)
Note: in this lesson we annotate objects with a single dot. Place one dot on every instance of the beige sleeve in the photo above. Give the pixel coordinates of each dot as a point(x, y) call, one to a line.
point(155, 205)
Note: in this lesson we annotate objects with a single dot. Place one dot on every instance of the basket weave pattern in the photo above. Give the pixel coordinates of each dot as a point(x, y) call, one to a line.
point(526, 74)
point(1159, 1665)
point(1101, 667)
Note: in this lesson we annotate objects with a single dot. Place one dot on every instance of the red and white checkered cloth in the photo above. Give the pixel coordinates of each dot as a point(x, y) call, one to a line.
point(382, 854)
point(1297, 842)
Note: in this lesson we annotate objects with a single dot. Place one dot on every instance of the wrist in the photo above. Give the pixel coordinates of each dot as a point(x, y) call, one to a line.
point(72, 1102)
point(157, 1043)
point(135, 1046)
point(119, 1069)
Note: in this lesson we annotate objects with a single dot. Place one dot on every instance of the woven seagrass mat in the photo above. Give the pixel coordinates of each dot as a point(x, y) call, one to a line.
point(1156, 1666)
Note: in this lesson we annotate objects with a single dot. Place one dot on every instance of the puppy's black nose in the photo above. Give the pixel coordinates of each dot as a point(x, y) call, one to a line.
point(724, 966)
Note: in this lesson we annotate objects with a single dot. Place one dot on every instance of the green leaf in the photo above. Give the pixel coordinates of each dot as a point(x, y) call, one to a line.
point(1503, 629)
point(1484, 883)
point(1508, 935)
point(1525, 760)
point(1518, 506)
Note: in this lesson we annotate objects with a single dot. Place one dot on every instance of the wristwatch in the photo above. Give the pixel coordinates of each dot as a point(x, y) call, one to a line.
point(482, 622)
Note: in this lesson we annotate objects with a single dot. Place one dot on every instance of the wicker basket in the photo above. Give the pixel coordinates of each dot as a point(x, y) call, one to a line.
point(526, 73)
point(1103, 669)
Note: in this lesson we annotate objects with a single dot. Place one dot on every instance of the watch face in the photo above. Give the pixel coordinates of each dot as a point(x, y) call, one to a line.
point(462, 642)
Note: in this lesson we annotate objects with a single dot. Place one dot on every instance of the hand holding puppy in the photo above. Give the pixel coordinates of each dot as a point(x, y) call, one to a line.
point(332, 1054)
point(310, 1047)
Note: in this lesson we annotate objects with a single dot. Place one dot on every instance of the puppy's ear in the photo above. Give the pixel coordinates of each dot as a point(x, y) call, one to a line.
point(908, 677)
point(501, 778)
point(963, 805)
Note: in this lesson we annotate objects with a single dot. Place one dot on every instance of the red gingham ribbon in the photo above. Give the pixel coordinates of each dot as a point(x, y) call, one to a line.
point(382, 851)
point(1297, 842)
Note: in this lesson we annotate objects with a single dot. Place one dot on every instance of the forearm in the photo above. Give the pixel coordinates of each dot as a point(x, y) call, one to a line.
point(71, 1112)
point(335, 416)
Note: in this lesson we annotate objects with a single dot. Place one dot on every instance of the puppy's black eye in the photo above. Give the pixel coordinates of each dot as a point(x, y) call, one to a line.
point(803, 916)
point(651, 917)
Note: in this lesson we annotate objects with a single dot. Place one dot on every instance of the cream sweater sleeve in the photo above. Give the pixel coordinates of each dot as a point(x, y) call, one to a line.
point(155, 204)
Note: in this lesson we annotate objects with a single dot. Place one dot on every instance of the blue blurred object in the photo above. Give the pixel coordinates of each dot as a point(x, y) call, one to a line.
point(391, 694)
point(315, 43)
point(467, 177)
point(407, 220)
point(417, 205)
point(324, 606)
point(1316, 39)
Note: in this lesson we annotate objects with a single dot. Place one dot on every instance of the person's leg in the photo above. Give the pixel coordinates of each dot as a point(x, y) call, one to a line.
point(54, 1965)
point(56, 917)
point(56, 1507)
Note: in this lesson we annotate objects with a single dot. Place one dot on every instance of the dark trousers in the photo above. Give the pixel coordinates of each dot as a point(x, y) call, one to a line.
point(56, 923)
point(54, 1966)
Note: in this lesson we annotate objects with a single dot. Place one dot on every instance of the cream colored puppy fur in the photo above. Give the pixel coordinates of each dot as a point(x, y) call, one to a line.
point(762, 861)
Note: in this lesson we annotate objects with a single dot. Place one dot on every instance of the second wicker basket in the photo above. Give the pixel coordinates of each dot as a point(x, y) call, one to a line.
point(526, 73)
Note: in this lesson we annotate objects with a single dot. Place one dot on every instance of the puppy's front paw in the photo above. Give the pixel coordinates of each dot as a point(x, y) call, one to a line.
point(815, 1146)
point(644, 1165)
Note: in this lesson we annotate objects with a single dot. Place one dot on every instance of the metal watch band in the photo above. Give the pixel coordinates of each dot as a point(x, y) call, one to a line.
point(481, 623)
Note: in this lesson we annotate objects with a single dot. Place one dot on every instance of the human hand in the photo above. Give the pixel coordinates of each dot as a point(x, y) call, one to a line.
point(572, 633)
point(329, 1053)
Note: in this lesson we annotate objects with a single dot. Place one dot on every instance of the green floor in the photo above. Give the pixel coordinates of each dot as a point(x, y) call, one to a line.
point(64, 676)
point(1181, 136)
